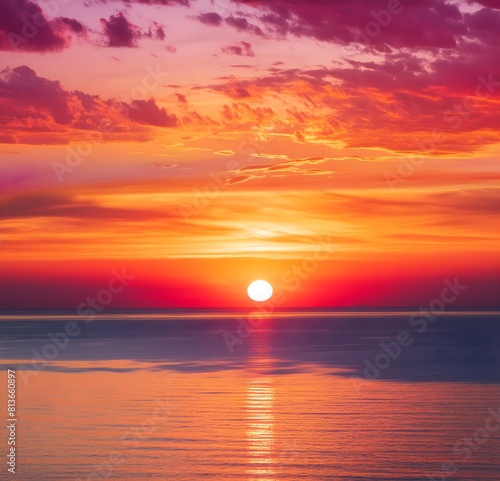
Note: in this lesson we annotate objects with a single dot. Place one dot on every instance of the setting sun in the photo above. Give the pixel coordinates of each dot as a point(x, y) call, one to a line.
point(260, 291)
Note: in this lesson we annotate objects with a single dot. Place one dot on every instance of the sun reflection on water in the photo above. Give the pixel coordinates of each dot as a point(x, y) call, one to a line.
point(260, 399)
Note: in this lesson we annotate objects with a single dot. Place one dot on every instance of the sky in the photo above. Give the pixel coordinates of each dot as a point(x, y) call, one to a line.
point(345, 151)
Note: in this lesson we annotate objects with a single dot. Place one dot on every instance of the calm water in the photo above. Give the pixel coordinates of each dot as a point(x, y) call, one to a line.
point(162, 397)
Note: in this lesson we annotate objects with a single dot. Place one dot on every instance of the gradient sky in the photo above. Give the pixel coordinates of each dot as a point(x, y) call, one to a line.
point(203, 144)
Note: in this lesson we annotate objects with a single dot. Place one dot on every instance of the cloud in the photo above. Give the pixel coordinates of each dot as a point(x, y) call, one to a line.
point(242, 114)
point(397, 102)
point(225, 152)
point(73, 25)
point(280, 169)
point(484, 25)
point(147, 112)
point(426, 24)
point(242, 48)
point(477, 201)
point(53, 205)
point(129, 3)
point(185, 3)
point(25, 27)
point(119, 32)
point(299, 137)
point(210, 18)
point(22, 93)
point(164, 166)
point(240, 23)
point(156, 31)
point(36, 109)
point(487, 3)
point(243, 25)
point(239, 179)
point(181, 98)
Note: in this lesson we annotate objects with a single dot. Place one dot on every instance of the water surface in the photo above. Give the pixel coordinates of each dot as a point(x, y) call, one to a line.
point(157, 396)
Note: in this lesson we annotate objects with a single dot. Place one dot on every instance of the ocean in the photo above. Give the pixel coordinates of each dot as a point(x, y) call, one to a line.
point(229, 395)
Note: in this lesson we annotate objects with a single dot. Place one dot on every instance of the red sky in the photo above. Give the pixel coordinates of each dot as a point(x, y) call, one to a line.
point(204, 144)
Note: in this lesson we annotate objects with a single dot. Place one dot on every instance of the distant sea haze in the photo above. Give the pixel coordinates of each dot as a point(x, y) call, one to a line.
point(316, 395)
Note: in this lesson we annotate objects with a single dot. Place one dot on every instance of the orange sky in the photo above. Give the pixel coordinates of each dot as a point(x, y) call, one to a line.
point(205, 144)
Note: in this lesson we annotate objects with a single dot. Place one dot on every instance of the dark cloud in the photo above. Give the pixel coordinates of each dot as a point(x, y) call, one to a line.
point(240, 23)
point(156, 31)
point(147, 112)
point(35, 104)
point(185, 3)
point(484, 25)
point(210, 18)
point(120, 32)
point(52, 205)
point(243, 49)
point(487, 3)
point(74, 25)
point(25, 27)
point(66, 206)
point(21, 90)
point(243, 25)
point(425, 24)
point(376, 25)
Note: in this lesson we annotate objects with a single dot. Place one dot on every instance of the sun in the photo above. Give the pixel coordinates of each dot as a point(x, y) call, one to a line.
point(260, 291)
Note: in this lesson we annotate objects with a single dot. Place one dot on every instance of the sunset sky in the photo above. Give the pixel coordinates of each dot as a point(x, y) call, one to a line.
point(200, 145)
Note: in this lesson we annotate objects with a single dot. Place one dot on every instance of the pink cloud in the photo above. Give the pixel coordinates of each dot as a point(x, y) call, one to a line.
point(30, 104)
point(484, 25)
point(487, 3)
point(147, 112)
point(185, 3)
point(243, 25)
point(210, 18)
point(25, 27)
point(119, 32)
point(21, 90)
point(239, 23)
point(396, 103)
point(425, 24)
point(242, 48)
point(156, 31)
